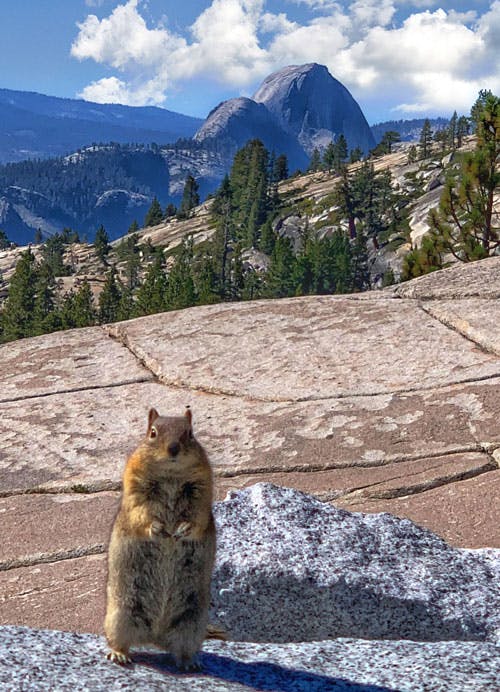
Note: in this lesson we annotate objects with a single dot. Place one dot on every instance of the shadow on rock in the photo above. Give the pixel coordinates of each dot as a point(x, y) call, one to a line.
point(257, 675)
point(291, 610)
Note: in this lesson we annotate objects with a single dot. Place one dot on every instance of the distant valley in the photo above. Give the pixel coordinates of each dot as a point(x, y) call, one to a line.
point(112, 160)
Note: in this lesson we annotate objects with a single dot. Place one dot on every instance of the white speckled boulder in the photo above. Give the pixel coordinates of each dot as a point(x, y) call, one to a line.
point(290, 568)
point(45, 661)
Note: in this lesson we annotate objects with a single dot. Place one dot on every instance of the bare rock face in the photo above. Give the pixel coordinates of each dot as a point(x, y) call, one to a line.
point(315, 107)
point(373, 402)
point(290, 568)
point(234, 122)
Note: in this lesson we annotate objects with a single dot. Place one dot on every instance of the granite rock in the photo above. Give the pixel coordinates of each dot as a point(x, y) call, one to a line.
point(290, 568)
point(44, 661)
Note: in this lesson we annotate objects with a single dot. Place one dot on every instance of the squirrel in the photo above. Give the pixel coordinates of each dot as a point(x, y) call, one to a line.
point(162, 547)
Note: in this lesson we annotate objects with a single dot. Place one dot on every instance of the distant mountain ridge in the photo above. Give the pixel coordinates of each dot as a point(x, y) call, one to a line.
point(408, 129)
point(37, 126)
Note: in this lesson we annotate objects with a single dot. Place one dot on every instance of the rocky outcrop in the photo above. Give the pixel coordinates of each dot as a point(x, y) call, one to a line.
point(310, 104)
point(68, 661)
point(372, 402)
point(290, 568)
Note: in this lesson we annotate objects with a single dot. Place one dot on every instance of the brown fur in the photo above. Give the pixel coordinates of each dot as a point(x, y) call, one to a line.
point(162, 546)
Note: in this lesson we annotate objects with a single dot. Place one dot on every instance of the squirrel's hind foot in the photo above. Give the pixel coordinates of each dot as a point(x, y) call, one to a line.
point(119, 657)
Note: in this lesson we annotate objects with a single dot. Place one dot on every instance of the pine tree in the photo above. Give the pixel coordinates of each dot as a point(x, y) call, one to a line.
point(109, 299)
point(452, 131)
point(154, 214)
point(315, 162)
point(151, 294)
point(133, 228)
point(85, 314)
point(45, 318)
point(279, 278)
point(170, 211)
point(329, 156)
point(463, 129)
point(180, 289)
point(359, 263)
point(355, 155)
point(53, 255)
point(340, 152)
point(17, 314)
point(101, 243)
point(425, 140)
point(280, 168)
point(190, 198)
point(412, 154)
point(465, 224)
point(38, 237)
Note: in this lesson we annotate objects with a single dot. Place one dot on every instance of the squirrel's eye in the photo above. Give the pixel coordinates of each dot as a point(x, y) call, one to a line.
point(153, 433)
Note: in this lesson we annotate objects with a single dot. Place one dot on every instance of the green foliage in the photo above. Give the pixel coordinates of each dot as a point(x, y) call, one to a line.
point(190, 198)
point(151, 295)
point(128, 252)
point(465, 223)
point(109, 299)
point(53, 255)
point(315, 162)
point(17, 315)
point(4, 241)
point(425, 140)
point(422, 260)
point(101, 243)
point(389, 138)
point(154, 215)
point(180, 287)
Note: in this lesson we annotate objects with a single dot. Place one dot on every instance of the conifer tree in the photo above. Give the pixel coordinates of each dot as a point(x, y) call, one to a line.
point(101, 243)
point(425, 140)
point(45, 318)
point(279, 278)
point(466, 224)
point(190, 198)
point(280, 168)
point(17, 314)
point(315, 162)
point(154, 214)
point(85, 312)
point(180, 289)
point(53, 255)
point(109, 299)
point(151, 294)
point(4, 241)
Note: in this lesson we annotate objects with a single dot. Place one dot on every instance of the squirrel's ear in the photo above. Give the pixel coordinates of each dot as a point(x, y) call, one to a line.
point(188, 415)
point(153, 415)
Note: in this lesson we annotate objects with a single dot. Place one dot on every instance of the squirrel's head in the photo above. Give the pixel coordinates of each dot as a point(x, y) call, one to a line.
point(170, 438)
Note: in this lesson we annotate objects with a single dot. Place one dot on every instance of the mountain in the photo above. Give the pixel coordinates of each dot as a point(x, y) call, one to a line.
point(294, 110)
point(314, 107)
point(232, 123)
point(37, 126)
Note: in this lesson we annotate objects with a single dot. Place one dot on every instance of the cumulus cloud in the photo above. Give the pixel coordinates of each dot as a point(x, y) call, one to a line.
point(433, 60)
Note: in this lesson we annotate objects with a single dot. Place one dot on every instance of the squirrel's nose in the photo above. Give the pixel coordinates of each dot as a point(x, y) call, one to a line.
point(173, 449)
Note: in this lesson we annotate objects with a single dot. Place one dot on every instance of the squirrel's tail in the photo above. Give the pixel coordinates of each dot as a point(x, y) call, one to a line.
point(216, 632)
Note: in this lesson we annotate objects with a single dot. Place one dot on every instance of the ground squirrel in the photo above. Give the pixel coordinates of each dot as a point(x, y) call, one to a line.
point(162, 547)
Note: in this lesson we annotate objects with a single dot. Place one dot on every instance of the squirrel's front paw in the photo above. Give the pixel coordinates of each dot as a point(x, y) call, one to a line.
point(157, 529)
point(119, 657)
point(183, 530)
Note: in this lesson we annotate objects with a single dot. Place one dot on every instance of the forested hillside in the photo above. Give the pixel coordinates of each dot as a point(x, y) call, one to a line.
point(341, 228)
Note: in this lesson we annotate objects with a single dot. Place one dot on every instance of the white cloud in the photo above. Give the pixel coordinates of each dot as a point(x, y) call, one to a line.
point(433, 60)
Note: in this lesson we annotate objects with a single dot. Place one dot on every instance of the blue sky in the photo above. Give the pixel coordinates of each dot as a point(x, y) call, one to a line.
point(399, 58)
